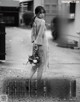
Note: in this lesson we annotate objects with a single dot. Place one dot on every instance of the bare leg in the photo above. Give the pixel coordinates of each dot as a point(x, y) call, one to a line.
point(41, 64)
point(39, 72)
point(34, 68)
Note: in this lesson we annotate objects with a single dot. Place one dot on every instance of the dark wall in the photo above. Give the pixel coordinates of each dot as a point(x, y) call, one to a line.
point(10, 15)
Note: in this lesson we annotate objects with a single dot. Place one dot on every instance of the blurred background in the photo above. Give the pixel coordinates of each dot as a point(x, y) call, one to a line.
point(63, 36)
point(63, 16)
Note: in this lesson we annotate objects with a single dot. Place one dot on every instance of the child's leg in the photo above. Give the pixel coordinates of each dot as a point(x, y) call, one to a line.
point(41, 64)
point(33, 70)
point(39, 72)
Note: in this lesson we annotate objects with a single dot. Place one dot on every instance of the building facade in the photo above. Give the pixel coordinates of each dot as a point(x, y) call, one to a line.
point(26, 6)
point(71, 11)
point(62, 8)
point(67, 9)
point(9, 10)
point(49, 5)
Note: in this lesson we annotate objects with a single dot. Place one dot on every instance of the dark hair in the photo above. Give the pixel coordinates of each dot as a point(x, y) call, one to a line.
point(39, 9)
point(32, 21)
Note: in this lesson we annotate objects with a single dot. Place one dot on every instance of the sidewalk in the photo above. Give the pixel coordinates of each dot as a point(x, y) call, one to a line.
point(63, 63)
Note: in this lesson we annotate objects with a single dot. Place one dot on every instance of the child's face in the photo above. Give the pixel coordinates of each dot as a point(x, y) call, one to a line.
point(41, 15)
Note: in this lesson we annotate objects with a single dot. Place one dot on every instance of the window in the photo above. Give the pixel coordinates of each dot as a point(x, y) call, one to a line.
point(53, 9)
point(47, 7)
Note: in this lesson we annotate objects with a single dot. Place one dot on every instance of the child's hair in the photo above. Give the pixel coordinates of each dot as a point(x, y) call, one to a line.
point(32, 21)
point(38, 10)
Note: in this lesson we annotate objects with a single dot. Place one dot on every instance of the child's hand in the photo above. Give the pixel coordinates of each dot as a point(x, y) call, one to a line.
point(36, 47)
point(32, 41)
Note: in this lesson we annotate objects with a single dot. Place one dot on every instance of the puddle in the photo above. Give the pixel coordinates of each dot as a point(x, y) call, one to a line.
point(55, 88)
point(61, 88)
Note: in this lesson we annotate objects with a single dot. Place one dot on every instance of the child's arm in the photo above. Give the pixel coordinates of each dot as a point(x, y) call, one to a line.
point(33, 33)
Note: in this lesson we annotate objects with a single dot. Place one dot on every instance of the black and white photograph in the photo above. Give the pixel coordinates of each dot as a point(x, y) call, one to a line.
point(39, 50)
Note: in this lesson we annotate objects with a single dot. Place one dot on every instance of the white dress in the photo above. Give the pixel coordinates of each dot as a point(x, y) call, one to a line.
point(39, 38)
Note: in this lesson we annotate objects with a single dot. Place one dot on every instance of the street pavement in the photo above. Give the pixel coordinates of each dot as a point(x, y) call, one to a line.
point(63, 62)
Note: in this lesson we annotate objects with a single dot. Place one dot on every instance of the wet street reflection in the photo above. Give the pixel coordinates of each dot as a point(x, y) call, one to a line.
point(55, 88)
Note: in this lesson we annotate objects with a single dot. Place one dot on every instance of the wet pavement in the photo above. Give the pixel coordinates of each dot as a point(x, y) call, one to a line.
point(55, 88)
point(64, 65)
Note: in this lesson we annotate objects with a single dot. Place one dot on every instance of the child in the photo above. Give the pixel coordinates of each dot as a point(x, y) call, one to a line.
point(39, 39)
